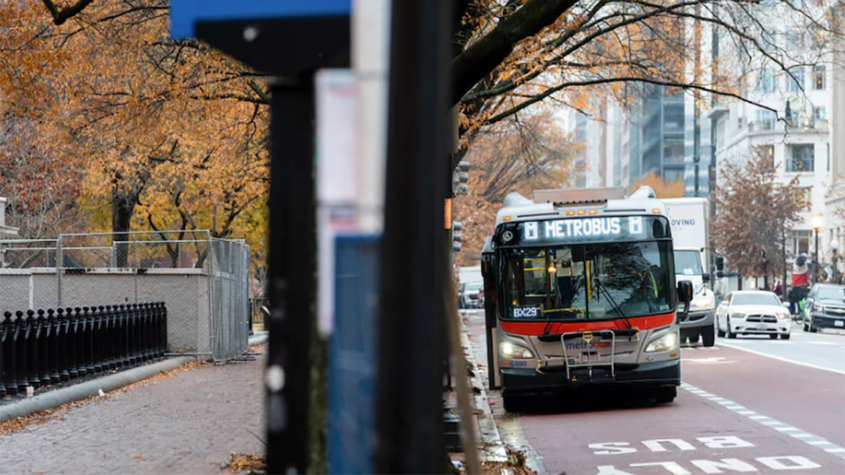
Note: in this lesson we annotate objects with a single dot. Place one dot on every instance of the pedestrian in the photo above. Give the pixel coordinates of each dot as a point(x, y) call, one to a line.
point(779, 289)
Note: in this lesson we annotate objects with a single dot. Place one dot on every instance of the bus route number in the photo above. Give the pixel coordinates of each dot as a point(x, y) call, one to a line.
point(525, 312)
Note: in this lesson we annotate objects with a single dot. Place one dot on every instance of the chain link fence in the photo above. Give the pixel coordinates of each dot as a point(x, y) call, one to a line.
point(203, 280)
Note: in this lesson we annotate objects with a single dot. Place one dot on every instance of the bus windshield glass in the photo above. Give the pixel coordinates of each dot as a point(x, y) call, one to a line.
point(589, 281)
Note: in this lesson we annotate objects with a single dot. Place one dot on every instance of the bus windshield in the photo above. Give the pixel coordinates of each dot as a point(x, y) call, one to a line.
point(589, 281)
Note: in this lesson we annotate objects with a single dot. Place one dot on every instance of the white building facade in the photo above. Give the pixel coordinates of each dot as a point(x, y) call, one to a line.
point(797, 138)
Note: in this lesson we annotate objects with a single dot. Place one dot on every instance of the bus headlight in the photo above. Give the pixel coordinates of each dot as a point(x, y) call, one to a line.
point(513, 351)
point(664, 343)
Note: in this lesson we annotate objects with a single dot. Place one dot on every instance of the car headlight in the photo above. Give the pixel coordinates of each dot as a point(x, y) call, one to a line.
point(511, 350)
point(738, 316)
point(664, 343)
point(783, 315)
point(818, 308)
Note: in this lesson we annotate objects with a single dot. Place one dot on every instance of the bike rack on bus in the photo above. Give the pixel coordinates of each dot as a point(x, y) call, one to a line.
point(590, 364)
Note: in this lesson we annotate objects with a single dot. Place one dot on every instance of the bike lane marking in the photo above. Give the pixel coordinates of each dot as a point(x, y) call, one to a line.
point(804, 436)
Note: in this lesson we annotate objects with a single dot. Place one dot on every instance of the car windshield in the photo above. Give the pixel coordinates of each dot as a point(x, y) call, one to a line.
point(755, 299)
point(830, 292)
point(473, 286)
point(589, 281)
point(687, 263)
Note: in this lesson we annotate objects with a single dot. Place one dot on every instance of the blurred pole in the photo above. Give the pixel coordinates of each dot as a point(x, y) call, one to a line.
point(291, 283)
point(409, 423)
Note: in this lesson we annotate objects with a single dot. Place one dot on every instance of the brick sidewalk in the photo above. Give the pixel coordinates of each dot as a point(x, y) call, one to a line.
point(188, 423)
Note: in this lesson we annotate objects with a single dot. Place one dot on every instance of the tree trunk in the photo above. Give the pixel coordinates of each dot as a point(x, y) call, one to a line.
point(123, 205)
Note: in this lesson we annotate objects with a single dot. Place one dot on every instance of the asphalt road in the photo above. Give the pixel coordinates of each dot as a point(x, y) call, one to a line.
point(756, 406)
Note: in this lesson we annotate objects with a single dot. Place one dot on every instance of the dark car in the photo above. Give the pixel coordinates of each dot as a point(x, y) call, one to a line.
point(825, 307)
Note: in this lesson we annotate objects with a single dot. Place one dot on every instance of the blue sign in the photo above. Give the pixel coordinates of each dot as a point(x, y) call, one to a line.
point(352, 355)
point(184, 14)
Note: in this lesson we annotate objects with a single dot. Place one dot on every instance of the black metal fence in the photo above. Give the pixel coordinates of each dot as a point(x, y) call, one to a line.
point(44, 347)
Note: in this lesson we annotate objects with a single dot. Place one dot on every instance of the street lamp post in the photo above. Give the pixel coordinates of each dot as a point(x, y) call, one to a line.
point(817, 224)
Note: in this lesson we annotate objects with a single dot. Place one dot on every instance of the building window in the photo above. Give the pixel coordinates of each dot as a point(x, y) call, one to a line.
point(818, 77)
point(795, 81)
point(766, 119)
point(794, 40)
point(766, 81)
point(820, 113)
point(673, 174)
point(767, 151)
point(800, 158)
point(801, 244)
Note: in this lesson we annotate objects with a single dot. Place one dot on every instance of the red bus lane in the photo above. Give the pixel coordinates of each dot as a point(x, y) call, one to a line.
point(805, 398)
point(702, 432)
point(690, 436)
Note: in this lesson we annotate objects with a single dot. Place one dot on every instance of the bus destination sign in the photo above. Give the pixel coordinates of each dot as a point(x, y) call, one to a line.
point(582, 230)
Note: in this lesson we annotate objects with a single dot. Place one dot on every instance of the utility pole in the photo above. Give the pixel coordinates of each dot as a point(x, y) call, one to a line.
point(409, 422)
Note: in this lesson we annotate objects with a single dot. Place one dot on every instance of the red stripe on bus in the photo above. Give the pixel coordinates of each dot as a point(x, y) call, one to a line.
point(536, 328)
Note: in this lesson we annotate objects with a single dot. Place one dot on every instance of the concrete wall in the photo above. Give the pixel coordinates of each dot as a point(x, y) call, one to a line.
point(184, 291)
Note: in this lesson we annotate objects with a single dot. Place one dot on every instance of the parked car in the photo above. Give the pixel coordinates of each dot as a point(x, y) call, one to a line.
point(752, 312)
point(469, 294)
point(824, 307)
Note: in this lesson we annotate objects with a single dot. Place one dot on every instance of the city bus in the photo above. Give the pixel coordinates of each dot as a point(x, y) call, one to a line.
point(580, 292)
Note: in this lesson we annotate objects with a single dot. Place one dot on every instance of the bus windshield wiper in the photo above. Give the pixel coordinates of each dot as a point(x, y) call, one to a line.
point(613, 304)
point(551, 312)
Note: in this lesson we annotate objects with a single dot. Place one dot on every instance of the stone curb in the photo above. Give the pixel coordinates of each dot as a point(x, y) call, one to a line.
point(492, 448)
point(258, 338)
point(78, 392)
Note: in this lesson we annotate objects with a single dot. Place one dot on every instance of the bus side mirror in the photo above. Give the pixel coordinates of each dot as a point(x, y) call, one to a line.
point(685, 297)
point(705, 278)
point(685, 291)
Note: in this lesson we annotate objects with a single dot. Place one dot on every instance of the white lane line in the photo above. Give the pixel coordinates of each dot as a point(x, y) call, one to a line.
point(817, 441)
point(741, 348)
point(826, 343)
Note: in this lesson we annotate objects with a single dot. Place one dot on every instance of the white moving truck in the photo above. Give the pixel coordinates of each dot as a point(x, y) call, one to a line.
point(688, 218)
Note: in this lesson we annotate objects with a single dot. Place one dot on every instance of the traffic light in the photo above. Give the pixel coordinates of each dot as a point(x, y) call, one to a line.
point(460, 177)
point(456, 236)
point(720, 267)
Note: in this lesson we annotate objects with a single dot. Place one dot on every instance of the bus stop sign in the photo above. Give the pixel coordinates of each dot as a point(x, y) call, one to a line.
point(282, 37)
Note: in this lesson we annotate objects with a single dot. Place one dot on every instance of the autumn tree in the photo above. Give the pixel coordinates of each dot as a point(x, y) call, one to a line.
point(753, 211)
point(524, 153)
point(509, 55)
point(662, 188)
point(166, 134)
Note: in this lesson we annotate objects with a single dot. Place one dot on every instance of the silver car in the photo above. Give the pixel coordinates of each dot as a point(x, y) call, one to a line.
point(752, 312)
point(469, 294)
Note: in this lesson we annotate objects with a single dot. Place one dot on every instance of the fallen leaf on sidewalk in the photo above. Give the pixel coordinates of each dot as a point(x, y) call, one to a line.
point(253, 463)
point(20, 423)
